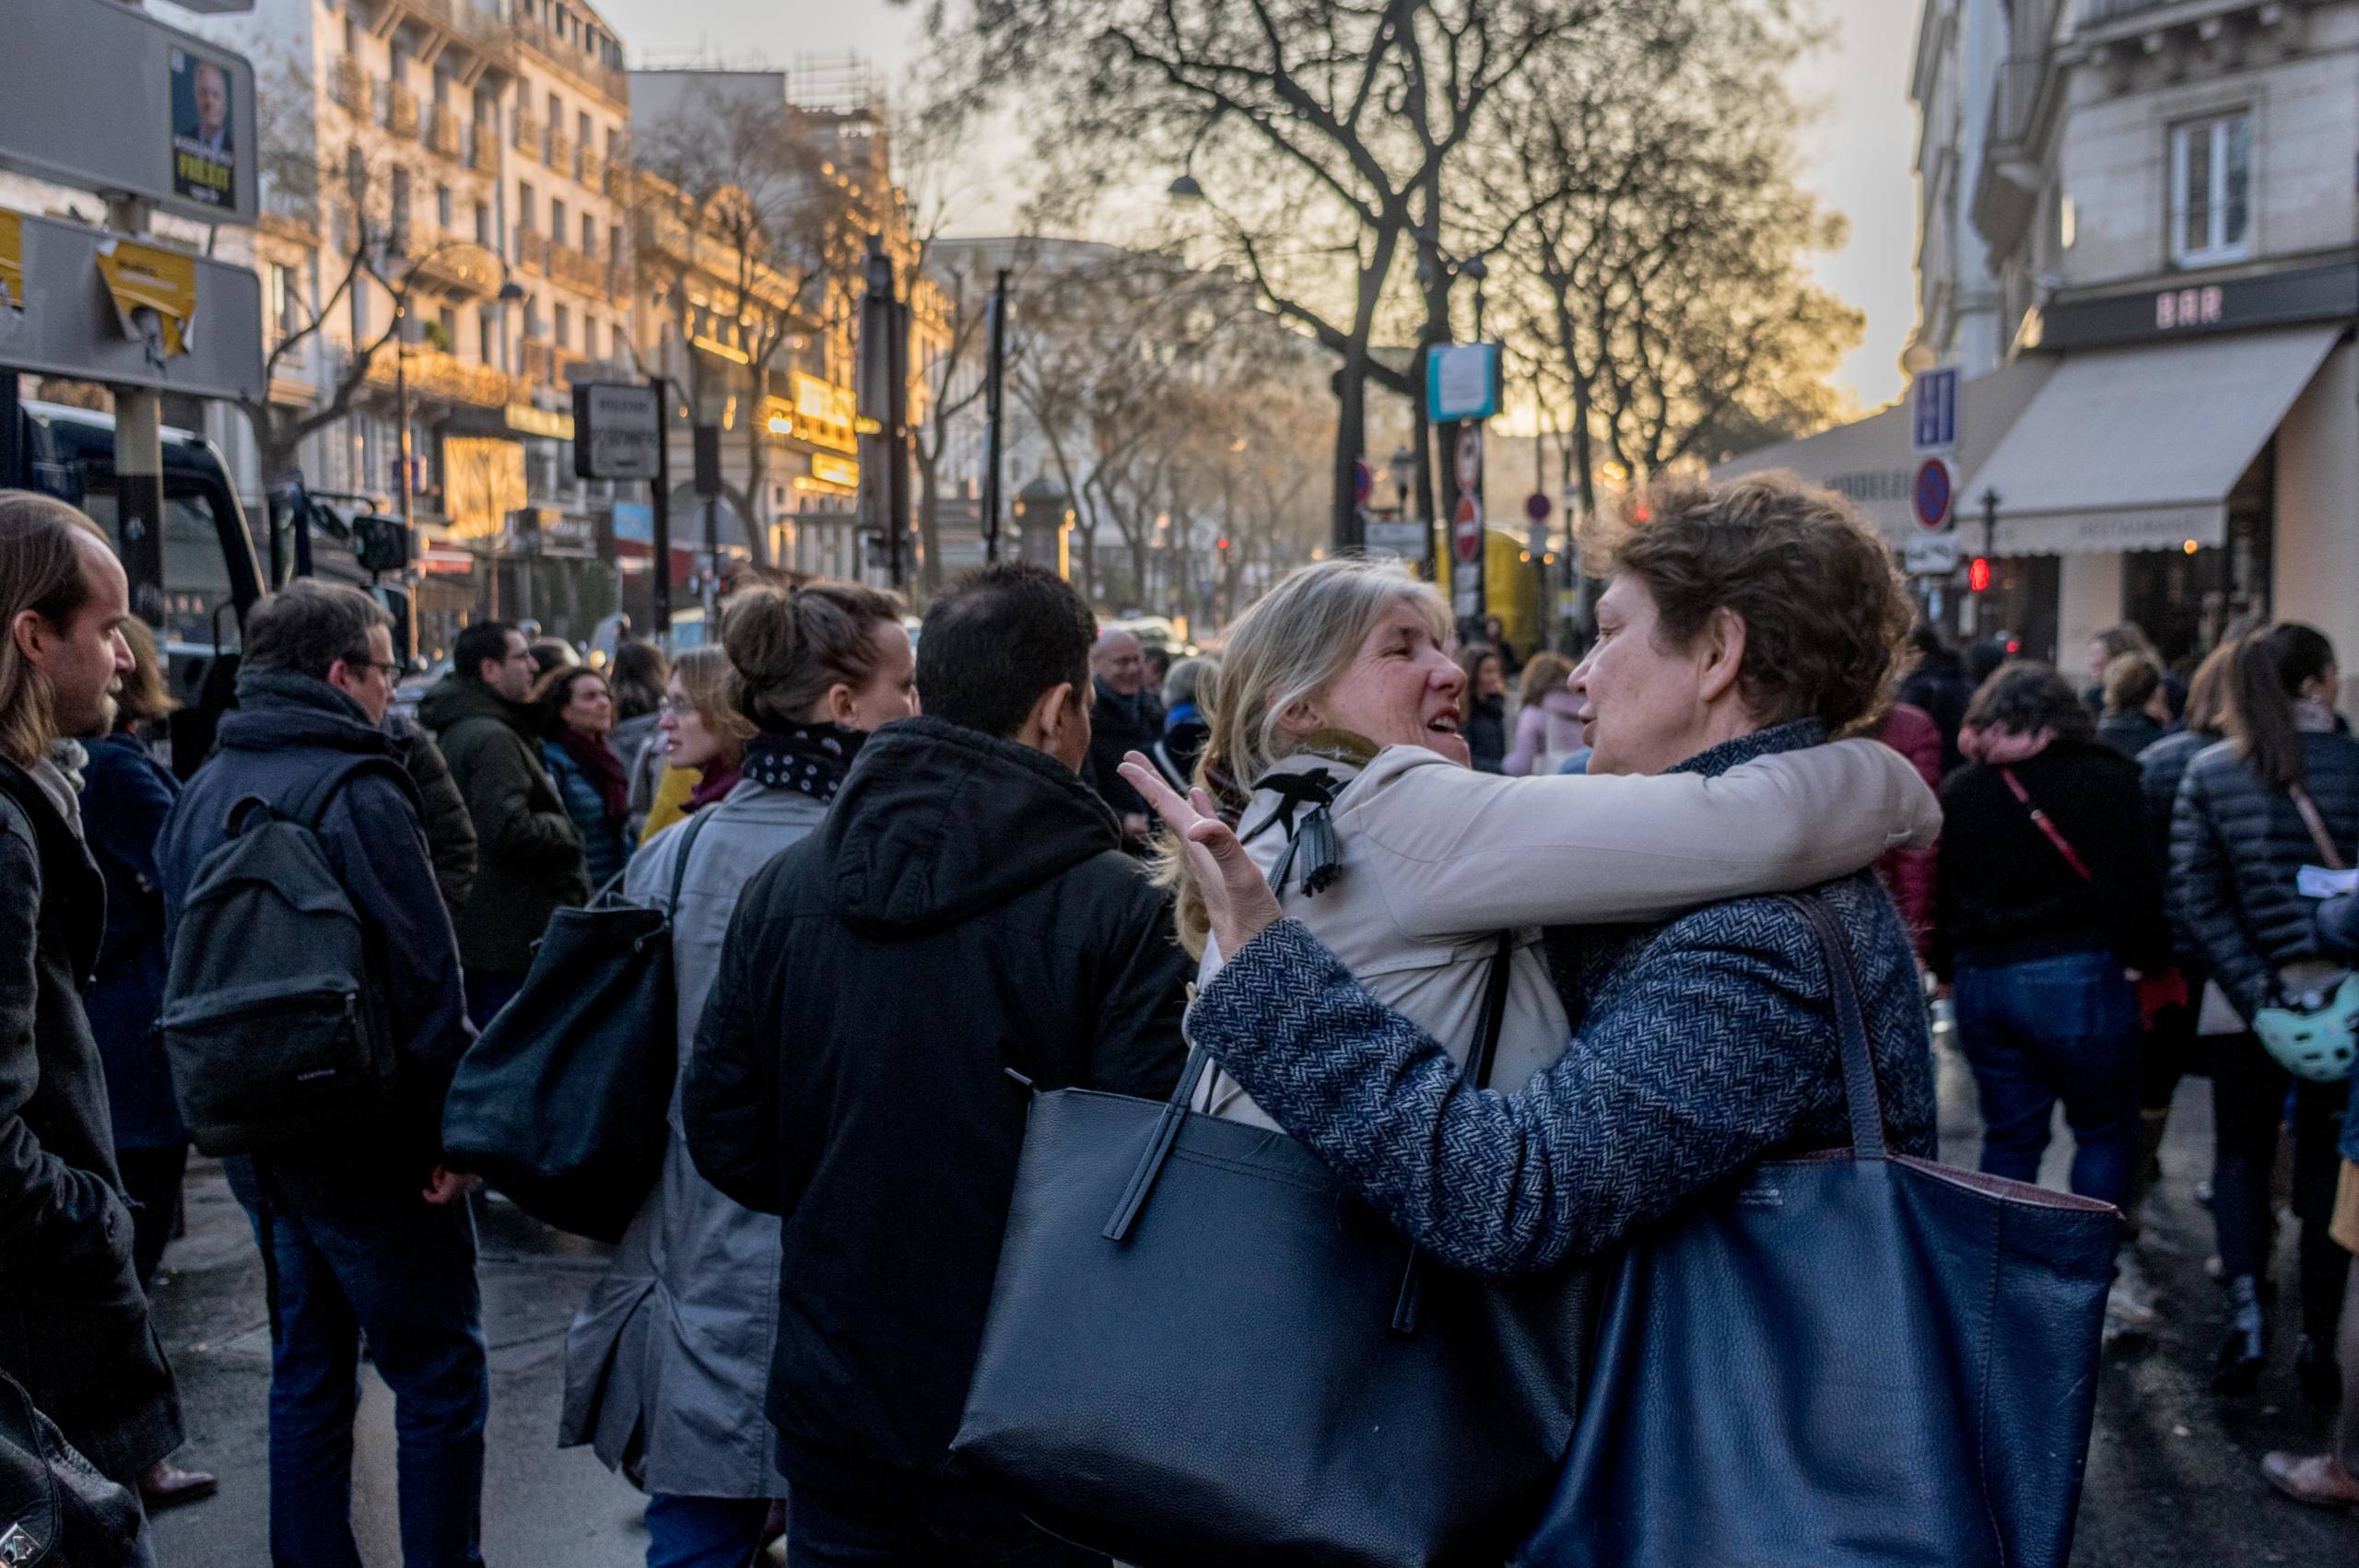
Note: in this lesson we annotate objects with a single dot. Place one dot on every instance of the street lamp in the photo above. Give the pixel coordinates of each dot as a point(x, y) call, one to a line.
point(1042, 511)
point(1404, 469)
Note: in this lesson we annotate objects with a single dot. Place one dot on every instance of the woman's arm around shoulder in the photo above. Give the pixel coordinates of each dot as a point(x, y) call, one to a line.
point(1462, 853)
point(1644, 1112)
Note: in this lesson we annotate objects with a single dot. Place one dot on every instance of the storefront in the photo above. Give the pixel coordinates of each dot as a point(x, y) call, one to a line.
point(2176, 457)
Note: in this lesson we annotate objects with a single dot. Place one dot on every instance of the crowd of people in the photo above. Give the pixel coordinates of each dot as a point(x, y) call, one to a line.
point(1322, 829)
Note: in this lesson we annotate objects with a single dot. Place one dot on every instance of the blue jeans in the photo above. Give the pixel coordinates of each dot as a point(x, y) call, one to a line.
point(370, 1258)
point(705, 1532)
point(2050, 1029)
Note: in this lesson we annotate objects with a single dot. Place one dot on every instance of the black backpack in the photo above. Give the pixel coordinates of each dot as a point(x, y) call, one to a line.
point(271, 1026)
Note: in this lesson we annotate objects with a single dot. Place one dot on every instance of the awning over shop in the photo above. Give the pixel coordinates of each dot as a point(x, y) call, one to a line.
point(2137, 449)
point(1871, 460)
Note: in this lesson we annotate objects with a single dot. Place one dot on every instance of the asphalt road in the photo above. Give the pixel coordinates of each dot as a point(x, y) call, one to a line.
point(2173, 1478)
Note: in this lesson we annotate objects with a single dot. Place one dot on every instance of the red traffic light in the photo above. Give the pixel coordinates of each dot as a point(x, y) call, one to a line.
point(1221, 543)
point(1977, 573)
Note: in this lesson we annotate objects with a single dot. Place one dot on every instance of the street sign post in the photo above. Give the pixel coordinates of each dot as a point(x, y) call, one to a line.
point(1466, 531)
point(1462, 381)
point(1933, 492)
point(1932, 403)
point(1470, 458)
point(1407, 539)
point(618, 431)
point(1933, 555)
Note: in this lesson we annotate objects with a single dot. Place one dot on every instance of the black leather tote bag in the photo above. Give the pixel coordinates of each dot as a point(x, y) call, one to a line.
point(1858, 1359)
point(56, 1510)
point(1201, 1349)
point(561, 1103)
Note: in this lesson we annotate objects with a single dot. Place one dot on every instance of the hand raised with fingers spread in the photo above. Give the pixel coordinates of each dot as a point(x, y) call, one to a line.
point(1238, 901)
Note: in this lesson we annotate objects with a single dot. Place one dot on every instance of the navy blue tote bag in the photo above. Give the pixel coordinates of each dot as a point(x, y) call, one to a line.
point(1202, 1350)
point(1858, 1359)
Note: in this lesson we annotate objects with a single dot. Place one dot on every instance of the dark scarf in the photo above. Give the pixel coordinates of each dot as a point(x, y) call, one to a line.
point(597, 759)
point(717, 779)
point(812, 759)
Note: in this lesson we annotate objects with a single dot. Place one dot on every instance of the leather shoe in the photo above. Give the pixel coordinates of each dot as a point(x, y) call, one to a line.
point(166, 1485)
point(2317, 1479)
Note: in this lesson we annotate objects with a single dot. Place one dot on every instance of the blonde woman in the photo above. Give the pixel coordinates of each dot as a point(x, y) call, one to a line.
point(700, 739)
point(1338, 712)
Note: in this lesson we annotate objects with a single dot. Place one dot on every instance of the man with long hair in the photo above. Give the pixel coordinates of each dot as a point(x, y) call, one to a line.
point(74, 1324)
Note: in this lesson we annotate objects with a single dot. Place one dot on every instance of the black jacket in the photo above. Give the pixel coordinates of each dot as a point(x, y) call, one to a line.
point(2007, 893)
point(528, 857)
point(1486, 732)
point(965, 915)
point(1940, 687)
point(2236, 846)
point(1118, 725)
point(287, 731)
point(2160, 768)
point(74, 1325)
point(449, 831)
point(2129, 733)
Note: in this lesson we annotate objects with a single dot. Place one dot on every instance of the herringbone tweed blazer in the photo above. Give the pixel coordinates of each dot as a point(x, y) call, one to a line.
point(1701, 1045)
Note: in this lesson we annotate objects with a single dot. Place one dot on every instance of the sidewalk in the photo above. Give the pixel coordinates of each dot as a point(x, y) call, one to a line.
point(541, 1507)
point(2173, 1478)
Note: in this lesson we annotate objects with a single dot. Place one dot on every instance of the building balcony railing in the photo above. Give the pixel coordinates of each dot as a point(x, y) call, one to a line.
point(547, 365)
point(433, 373)
point(482, 148)
point(591, 169)
point(533, 249)
point(560, 152)
point(528, 134)
point(572, 58)
point(444, 133)
point(401, 110)
point(349, 85)
point(459, 267)
point(581, 271)
point(618, 173)
point(2094, 12)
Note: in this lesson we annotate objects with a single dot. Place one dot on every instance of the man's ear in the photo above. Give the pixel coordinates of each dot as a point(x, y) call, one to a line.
point(1052, 713)
point(26, 631)
point(1723, 639)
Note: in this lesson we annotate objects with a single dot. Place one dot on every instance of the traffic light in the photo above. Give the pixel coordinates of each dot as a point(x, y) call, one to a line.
point(1977, 573)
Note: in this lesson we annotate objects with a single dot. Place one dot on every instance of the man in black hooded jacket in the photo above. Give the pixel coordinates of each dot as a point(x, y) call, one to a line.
point(964, 923)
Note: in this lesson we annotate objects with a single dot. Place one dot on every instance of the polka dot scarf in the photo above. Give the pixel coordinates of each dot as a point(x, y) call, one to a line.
point(812, 759)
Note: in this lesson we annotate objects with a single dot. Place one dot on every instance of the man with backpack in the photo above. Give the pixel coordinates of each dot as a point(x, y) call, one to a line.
point(313, 1014)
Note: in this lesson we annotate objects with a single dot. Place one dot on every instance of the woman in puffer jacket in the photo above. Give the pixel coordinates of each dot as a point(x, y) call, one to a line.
point(2251, 812)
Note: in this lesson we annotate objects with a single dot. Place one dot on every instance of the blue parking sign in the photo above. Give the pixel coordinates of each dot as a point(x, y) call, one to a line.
point(1933, 412)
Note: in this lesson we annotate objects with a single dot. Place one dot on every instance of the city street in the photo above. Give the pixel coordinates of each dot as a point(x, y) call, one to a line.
point(2174, 1473)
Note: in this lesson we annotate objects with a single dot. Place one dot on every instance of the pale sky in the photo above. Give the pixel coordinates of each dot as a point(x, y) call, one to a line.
point(1858, 155)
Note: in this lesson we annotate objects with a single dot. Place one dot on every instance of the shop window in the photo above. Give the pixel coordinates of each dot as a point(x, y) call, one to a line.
point(2211, 190)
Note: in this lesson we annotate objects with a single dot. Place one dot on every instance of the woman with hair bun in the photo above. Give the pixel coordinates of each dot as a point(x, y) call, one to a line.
point(668, 1364)
point(2281, 794)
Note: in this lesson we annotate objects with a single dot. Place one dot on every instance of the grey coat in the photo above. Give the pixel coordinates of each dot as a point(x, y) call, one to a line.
point(667, 1364)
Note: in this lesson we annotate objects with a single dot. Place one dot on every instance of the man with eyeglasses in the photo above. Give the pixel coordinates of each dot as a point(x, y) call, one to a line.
point(366, 1234)
point(528, 857)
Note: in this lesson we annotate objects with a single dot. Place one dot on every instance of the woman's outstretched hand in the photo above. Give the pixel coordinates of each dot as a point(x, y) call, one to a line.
point(1238, 901)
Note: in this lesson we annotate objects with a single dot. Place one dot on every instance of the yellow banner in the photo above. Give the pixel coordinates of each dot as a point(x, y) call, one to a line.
point(151, 278)
point(12, 261)
point(483, 480)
